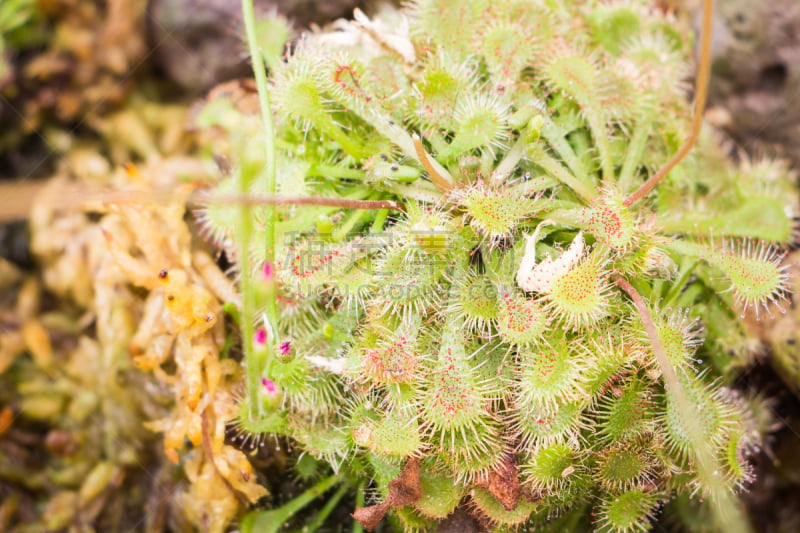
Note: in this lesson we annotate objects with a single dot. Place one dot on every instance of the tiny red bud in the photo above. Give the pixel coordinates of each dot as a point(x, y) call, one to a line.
point(270, 389)
point(268, 271)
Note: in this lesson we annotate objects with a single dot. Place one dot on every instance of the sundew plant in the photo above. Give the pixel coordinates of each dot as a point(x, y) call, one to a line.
point(479, 269)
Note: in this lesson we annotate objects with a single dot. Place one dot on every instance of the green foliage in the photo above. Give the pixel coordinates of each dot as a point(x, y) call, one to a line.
point(488, 507)
point(552, 468)
point(487, 319)
point(628, 511)
point(273, 520)
point(441, 494)
point(19, 24)
point(19, 29)
point(627, 465)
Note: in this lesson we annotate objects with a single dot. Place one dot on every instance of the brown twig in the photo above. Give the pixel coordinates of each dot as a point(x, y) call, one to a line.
point(80, 197)
point(701, 93)
point(344, 203)
point(670, 378)
point(438, 175)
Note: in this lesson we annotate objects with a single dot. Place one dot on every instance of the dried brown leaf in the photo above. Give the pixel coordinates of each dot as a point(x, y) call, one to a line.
point(371, 516)
point(503, 483)
point(403, 490)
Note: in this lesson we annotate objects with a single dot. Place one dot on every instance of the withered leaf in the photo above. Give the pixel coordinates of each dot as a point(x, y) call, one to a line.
point(403, 490)
point(370, 517)
point(503, 483)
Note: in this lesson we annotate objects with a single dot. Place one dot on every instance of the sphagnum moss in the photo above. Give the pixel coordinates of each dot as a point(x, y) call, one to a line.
point(534, 152)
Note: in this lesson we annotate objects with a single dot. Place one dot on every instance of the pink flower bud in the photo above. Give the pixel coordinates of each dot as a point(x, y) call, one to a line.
point(260, 336)
point(268, 271)
point(285, 348)
point(270, 389)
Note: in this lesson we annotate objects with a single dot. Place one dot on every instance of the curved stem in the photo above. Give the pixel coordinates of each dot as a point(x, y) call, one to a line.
point(258, 365)
point(439, 176)
point(728, 514)
point(701, 92)
point(670, 377)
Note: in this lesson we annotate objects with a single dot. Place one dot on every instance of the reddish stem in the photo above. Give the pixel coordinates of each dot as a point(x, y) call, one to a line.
point(442, 182)
point(644, 312)
point(701, 92)
point(302, 200)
